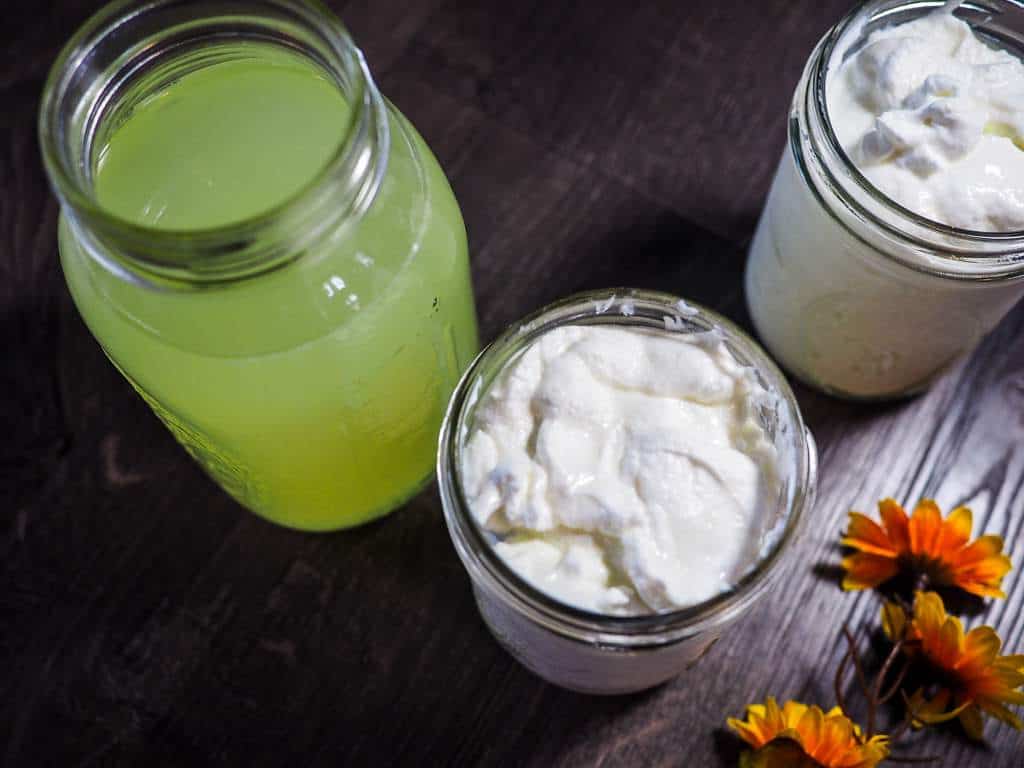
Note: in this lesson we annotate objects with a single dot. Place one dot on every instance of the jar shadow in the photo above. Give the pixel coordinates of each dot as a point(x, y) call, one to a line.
point(462, 692)
point(653, 248)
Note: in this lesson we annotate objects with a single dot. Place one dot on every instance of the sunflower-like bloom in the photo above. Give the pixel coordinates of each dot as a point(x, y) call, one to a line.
point(972, 677)
point(924, 544)
point(798, 734)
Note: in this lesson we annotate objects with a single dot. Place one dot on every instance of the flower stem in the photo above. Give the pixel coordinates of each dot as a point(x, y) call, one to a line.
point(875, 697)
point(855, 655)
point(895, 687)
point(838, 682)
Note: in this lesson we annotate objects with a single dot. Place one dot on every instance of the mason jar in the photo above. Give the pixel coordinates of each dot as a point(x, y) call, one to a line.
point(592, 652)
point(263, 246)
point(853, 293)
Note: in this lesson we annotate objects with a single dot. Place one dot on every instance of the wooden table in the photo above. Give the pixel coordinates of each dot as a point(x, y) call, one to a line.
point(147, 619)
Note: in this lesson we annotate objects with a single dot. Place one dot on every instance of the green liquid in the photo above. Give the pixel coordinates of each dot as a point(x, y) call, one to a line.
point(313, 394)
point(223, 144)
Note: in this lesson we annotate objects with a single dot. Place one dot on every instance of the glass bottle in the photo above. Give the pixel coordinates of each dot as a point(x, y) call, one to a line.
point(263, 246)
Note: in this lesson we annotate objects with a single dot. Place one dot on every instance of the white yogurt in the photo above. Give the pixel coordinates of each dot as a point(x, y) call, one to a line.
point(932, 117)
point(929, 114)
point(622, 470)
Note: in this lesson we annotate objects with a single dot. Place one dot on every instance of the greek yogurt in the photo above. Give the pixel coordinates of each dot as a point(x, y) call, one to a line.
point(846, 289)
point(622, 470)
point(934, 118)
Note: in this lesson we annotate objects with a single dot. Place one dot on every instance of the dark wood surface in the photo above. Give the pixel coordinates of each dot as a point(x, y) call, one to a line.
point(147, 619)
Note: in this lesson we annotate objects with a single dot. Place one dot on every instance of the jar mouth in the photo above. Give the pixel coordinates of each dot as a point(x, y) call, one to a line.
point(111, 51)
point(834, 45)
point(636, 308)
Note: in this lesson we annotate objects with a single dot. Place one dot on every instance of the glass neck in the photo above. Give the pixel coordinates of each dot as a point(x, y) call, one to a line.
point(920, 243)
point(126, 53)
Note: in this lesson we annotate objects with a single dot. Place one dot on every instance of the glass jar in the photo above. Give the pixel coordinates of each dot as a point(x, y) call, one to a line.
point(597, 653)
point(853, 293)
point(297, 320)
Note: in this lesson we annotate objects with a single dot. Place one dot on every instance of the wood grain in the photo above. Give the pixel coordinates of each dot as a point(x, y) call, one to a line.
point(146, 619)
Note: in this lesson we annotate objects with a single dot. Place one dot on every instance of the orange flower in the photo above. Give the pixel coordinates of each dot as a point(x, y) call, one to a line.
point(925, 544)
point(826, 739)
point(973, 677)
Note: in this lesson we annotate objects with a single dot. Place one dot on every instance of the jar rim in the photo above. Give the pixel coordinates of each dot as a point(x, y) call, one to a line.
point(822, 61)
point(620, 306)
point(164, 253)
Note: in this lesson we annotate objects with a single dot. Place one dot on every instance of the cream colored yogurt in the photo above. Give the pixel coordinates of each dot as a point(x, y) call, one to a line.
point(933, 117)
point(851, 293)
point(622, 470)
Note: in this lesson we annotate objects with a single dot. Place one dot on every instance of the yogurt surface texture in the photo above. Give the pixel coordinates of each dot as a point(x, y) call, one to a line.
point(934, 118)
point(622, 471)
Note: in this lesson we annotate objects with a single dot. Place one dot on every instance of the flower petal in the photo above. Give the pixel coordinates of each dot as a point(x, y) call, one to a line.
point(946, 648)
point(981, 647)
point(979, 568)
point(874, 752)
point(788, 715)
point(916, 702)
point(894, 518)
point(990, 570)
point(929, 613)
point(1011, 697)
point(764, 723)
point(1010, 673)
point(748, 732)
point(865, 571)
point(956, 531)
point(1001, 713)
point(894, 621)
point(924, 529)
point(981, 548)
point(811, 727)
point(934, 712)
point(866, 535)
point(979, 589)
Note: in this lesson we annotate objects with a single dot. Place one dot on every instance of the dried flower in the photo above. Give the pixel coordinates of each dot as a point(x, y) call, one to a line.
point(798, 734)
point(968, 672)
point(927, 546)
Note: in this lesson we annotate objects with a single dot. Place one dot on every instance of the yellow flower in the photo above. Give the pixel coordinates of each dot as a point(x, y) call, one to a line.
point(972, 676)
point(925, 544)
point(800, 734)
